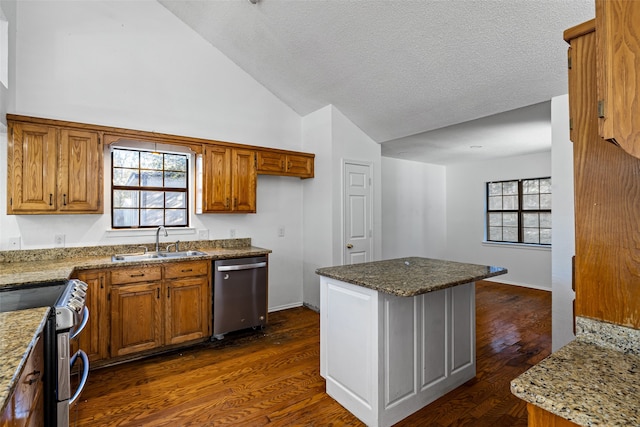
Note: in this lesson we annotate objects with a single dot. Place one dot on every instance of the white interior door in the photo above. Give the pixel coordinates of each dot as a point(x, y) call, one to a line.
point(358, 235)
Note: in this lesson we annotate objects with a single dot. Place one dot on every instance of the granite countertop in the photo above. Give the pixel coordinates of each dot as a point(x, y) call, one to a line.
point(594, 380)
point(407, 277)
point(18, 332)
point(50, 265)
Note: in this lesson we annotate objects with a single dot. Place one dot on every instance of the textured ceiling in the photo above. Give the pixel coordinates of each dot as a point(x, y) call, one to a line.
point(401, 68)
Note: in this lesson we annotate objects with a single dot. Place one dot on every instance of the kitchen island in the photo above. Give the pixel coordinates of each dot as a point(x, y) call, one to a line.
point(397, 334)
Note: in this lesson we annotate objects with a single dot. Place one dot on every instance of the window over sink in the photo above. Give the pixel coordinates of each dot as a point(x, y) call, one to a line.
point(149, 189)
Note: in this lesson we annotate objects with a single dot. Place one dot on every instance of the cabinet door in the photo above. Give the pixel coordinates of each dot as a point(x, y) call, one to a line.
point(270, 162)
point(94, 338)
point(32, 169)
point(187, 310)
point(80, 171)
point(618, 50)
point(301, 166)
point(244, 181)
point(217, 180)
point(136, 322)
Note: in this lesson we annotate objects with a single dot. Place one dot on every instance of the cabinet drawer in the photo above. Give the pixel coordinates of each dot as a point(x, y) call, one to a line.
point(186, 269)
point(135, 274)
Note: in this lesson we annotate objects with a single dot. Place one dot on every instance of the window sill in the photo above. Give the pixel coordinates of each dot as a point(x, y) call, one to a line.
point(518, 245)
point(132, 232)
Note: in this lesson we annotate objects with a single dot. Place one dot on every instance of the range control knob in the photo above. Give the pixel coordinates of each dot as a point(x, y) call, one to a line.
point(76, 304)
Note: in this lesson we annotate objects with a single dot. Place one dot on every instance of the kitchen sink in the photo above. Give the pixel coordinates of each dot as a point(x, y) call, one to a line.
point(181, 254)
point(155, 255)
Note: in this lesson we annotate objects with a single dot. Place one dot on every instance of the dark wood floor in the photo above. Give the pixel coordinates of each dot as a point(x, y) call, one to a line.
point(272, 377)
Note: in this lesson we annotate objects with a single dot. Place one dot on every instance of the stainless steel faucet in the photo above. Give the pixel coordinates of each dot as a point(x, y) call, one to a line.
point(158, 237)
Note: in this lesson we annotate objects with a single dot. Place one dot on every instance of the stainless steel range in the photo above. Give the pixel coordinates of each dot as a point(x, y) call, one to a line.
point(68, 317)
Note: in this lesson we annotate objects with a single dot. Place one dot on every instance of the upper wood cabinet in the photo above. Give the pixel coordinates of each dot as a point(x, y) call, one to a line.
point(56, 167)
point(618, 72)
point(32, 169)
point(53, 170)
point(282, 163)
point(229, 180)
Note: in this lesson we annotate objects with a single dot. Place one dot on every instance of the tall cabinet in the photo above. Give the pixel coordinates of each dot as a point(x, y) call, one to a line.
point(607, 195)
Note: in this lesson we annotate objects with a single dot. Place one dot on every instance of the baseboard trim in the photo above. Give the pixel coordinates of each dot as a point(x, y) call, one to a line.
point(285, 307)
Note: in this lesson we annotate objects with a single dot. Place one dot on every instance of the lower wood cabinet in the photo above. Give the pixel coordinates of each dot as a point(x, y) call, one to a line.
point(94, 339)
point(538, 417)
point(145, 308)
point(136, 318)
point(25, 406)
point(152, 307)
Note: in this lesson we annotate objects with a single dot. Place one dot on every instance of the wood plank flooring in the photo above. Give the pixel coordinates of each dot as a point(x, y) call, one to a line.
point(272, 378)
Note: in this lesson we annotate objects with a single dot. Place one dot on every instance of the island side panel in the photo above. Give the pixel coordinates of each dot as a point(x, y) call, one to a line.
point(349, 350)
point(463, 317)
point(428, 348)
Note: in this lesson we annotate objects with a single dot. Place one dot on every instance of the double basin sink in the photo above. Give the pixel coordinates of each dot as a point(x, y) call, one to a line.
point(155, 255)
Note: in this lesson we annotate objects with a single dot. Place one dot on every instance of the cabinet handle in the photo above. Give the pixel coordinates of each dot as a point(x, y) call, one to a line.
point(187, 271)
point(64, 200)
point(227, 204)
point(35, 376)
point(235, 202)
point(168, 292)
point(289, 165)
point(137, 275)
point(158, 289)
point(50, 199)
point(102, 283)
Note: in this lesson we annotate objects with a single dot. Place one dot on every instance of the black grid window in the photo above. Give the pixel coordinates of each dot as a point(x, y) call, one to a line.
point(519, 211)
point(149, 189)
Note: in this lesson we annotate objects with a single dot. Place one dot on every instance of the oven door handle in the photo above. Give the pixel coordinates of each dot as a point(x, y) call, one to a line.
point(85, 319)
point(85, 373)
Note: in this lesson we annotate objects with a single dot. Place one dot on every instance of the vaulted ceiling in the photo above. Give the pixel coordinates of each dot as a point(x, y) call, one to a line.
point(407, 72)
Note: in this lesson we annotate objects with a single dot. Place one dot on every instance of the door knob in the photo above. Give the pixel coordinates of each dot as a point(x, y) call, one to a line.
point(349, 246)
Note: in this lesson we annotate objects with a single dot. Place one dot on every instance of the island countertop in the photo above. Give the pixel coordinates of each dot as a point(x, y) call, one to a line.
point(408, 277)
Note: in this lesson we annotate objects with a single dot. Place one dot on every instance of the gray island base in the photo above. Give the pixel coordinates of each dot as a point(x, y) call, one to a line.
point(395, 335)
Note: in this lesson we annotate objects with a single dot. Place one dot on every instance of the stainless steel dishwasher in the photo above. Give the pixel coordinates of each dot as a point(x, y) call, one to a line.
point(239, 294)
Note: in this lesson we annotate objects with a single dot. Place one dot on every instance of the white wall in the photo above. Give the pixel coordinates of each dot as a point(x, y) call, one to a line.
point(334, 139)
point(318, 203)
point(466, 219)
point(563, 223)
point(413, 209)
point(7, 14)
point(135, 65)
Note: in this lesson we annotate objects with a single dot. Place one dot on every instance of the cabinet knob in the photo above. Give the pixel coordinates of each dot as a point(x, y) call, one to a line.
point(349, 246)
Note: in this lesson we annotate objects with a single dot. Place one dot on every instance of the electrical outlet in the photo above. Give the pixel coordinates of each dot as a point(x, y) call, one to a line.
point(232, 233)
point(203, 234)
point(281, 231)
point(58, 240)
point(14, 243)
